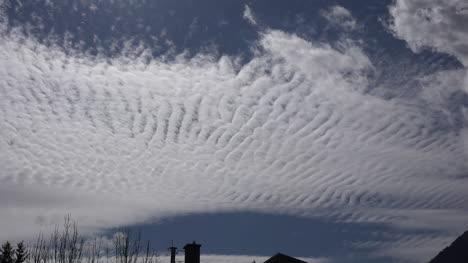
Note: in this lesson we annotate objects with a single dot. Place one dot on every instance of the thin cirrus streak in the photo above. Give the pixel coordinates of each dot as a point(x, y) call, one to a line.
point(291, 131)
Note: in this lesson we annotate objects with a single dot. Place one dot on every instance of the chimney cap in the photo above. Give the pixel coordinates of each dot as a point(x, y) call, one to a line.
point(192, 245)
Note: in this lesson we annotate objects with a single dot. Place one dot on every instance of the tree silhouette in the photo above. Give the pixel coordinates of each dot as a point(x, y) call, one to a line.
point(21, 254)
point(66, 245)
point(6, 253)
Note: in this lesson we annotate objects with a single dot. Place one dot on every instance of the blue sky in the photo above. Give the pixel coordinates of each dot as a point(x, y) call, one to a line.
point(329, 130)
point(249, 233)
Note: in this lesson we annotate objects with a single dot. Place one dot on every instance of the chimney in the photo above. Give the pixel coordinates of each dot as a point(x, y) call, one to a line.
point(192, 253)
point(173, 253)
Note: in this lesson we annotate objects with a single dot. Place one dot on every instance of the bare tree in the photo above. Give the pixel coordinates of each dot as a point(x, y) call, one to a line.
point(39, 251)
point(63, 247)
point(66, 245)
point(127, 246)
point(94, 251)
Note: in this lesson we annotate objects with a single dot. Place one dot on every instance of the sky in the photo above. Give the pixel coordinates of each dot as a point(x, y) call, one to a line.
point(333, 131)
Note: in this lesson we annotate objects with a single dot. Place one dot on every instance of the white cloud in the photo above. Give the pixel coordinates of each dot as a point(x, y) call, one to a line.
point(440, 25)
point(249, 15)
point(340, 16)
point(121, 140)
point(438, 88)
point(411, 249)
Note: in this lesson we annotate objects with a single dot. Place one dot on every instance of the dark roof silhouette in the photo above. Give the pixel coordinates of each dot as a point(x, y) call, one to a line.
point(281, 258)
point(457, 252)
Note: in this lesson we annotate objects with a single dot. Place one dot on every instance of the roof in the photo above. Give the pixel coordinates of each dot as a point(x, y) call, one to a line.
point(281, 258)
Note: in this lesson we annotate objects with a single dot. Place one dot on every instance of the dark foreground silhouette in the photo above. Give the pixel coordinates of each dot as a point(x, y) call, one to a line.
point(192, 255)
point(457, 252)
point(66, 245)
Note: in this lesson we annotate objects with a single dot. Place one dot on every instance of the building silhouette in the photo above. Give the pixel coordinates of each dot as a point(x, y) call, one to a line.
point(281, 258)
point(192, 255)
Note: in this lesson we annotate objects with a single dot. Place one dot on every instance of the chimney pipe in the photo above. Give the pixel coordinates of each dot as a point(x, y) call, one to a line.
point(173, 253)
point(192, 253)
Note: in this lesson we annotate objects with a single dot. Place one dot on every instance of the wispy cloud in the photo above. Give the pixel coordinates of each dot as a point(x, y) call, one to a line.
point(340, 17)
point(249, 15)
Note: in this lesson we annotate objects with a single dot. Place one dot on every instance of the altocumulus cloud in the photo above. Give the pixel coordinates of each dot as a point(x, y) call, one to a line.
point(436, 25)
point(121, 140)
